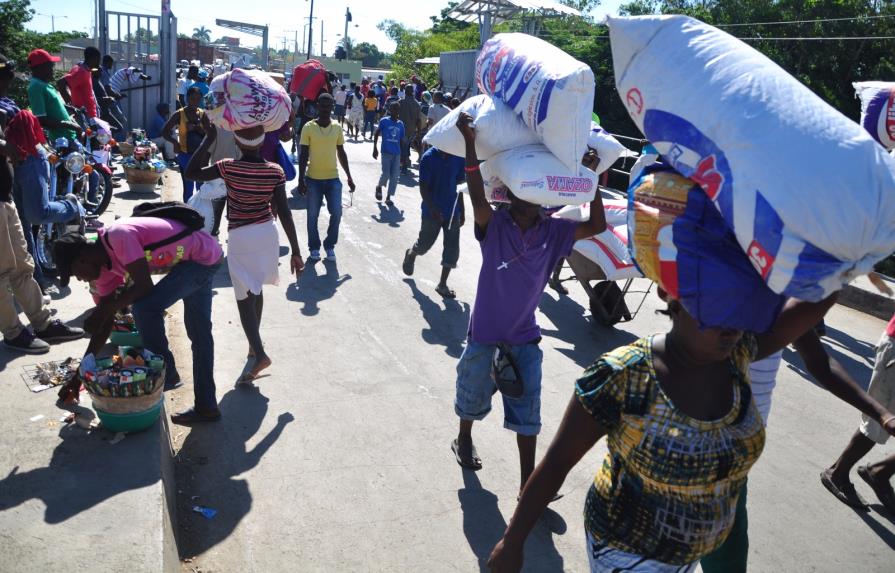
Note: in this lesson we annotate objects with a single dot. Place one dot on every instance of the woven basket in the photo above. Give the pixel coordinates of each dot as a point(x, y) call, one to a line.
point(130, 404)
point(126, 149)
point(141, 176)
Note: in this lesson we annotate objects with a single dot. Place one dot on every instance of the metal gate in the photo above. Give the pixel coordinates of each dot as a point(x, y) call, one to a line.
point(148, 43)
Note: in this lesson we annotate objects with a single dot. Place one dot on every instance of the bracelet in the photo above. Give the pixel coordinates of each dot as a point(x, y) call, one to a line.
point(472, 169)
point(888, 419)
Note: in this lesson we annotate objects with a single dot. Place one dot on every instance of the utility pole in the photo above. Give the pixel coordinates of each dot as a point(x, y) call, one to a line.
point(345, 41)
point(311, 29)
point(296, 47)
point(321, 38)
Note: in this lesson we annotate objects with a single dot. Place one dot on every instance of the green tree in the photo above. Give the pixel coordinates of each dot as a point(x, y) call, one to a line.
point(16, 42)
point(368, 54)
point(202, 34)
point(411, 45)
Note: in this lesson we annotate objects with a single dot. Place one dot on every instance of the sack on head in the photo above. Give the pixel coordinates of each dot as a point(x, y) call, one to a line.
point(550, 90)
point(248, 98)
point(535, 175)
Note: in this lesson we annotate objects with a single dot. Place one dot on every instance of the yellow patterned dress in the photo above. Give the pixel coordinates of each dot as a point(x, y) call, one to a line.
point(668, 487)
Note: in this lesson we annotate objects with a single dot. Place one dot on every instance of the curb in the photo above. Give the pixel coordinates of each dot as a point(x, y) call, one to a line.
point(868, 302)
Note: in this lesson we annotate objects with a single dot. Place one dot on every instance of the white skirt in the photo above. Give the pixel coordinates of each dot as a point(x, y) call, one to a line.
point(252, 257)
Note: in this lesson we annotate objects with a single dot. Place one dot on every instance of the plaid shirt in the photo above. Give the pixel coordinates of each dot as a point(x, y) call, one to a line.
point(668, 487)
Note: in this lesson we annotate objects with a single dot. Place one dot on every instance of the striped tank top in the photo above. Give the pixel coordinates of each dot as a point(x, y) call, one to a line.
point(250, 187)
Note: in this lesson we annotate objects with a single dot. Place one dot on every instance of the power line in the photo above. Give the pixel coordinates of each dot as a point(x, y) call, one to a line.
point(745, 38)
point(783, 22)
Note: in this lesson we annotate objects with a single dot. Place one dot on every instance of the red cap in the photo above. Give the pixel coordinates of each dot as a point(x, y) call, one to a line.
point(38, 57)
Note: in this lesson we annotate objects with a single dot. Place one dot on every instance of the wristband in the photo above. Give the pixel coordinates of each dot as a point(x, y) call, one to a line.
point(471, 169)
point(887, 419)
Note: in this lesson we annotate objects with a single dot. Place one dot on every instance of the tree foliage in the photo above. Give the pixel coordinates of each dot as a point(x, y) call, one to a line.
point(411, 45)
point(202, 34)
point(16, 42)
point(369, 55)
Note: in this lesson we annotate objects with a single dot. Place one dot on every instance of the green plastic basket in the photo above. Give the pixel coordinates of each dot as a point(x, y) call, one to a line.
point(133, 422)
point(121, 338)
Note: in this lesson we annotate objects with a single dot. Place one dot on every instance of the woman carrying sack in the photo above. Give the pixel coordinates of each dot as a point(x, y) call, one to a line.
point(254, 186)
point(190, 132)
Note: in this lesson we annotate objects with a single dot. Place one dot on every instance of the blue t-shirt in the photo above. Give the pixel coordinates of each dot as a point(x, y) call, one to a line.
point(392, 132)
point(156, 126)
point(441, 173)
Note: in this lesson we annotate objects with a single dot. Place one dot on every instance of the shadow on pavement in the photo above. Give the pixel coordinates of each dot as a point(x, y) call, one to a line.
point(859, 371)
point(390, 215)
point(313, 288)
point(874, 524)
point(588, 339)
point(212, 457)
point(483, 526)
point(135, 196)
point(84, 471)
point(447, 326)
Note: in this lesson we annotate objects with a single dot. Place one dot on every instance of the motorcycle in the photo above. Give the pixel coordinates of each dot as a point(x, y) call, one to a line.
point(72, 162)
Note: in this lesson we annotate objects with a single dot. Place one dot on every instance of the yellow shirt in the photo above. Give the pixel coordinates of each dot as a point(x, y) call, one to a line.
point(322, 142)
point(371, 103)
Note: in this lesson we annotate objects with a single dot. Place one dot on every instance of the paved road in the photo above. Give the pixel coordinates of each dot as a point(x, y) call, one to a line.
point(340, 459)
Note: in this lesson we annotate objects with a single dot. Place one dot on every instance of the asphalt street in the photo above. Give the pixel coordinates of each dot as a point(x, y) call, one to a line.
point(339, 460)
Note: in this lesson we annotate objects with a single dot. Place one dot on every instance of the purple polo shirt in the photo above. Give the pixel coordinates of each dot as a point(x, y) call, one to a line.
point(515, 269)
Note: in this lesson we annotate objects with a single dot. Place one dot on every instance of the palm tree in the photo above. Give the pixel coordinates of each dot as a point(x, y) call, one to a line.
point(202, 34)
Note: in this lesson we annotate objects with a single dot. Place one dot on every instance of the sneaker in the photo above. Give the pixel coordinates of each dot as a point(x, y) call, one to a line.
point(46, 298)
point(49, 289)
point(58, 331)
point(314, 256)
point(331, 254)
point(28, 343)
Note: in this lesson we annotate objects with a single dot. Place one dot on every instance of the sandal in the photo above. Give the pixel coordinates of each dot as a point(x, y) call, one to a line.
point(444, 291)
point(378, 193)
point(193, 416)
point(472, 462)
point(847, 493)
point(883, 491)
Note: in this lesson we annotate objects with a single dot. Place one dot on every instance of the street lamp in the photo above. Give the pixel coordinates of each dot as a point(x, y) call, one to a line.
point(52, 18)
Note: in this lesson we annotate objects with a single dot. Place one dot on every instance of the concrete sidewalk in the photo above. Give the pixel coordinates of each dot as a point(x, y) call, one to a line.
point(339, 460)
point(72, 499)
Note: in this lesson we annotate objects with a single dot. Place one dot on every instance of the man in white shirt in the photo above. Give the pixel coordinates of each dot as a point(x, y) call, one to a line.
point(341, 96)
point(437, 110)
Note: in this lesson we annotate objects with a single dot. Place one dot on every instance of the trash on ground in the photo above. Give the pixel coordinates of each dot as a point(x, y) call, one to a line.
point(206, 512)
point(36, 418)
point(46, 375)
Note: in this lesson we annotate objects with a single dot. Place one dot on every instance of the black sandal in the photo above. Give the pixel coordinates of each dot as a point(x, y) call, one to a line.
point(193, 416)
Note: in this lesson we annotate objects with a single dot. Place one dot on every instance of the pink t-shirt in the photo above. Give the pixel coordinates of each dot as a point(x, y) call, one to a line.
point(124, 241)
point(890, 328)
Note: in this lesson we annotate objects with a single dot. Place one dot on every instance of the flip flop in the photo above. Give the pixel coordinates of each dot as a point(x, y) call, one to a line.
point(444, 291)
point(847, 494)
point(883, 491)
point(474, 462)
point(193, 416)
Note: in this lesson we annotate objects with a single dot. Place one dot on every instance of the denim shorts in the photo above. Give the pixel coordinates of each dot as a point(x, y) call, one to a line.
point(475, 387)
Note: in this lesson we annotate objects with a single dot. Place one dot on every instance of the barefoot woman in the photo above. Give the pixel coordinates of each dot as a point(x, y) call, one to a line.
point(253, 186)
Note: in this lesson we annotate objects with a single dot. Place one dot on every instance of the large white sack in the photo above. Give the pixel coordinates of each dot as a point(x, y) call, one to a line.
point(205, 208)
point(246, 98)
point(878, 110)
point(552, 91)
point(497, 128)
point(609, 249)
point(607, 147)
point(808, 193)
point(535, 175)
point(495, 190)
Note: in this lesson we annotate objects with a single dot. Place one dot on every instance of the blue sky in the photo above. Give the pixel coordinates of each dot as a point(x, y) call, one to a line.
point(282, 16)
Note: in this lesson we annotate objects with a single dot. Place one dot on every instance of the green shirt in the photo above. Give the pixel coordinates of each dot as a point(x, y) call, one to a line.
point(46, 102)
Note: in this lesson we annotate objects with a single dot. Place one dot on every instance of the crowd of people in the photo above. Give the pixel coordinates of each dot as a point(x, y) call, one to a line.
point(683, 411)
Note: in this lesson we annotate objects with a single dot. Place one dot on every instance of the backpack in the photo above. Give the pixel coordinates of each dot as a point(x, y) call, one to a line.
point(173, 211)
